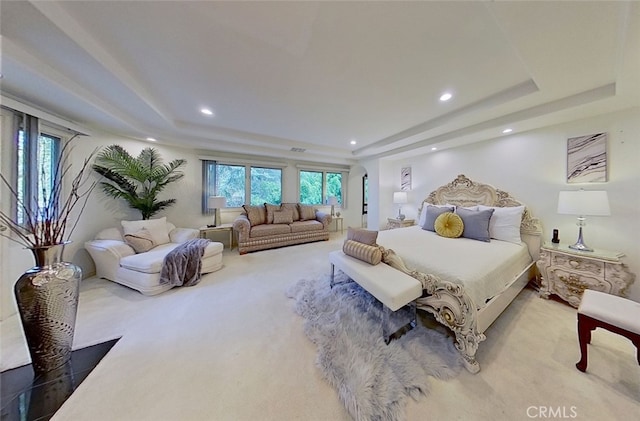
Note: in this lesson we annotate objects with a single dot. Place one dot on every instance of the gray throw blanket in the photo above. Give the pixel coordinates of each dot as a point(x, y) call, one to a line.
point(182, 265)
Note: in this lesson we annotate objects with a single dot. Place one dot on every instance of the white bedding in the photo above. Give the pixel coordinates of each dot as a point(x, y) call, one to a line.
point(485, 269)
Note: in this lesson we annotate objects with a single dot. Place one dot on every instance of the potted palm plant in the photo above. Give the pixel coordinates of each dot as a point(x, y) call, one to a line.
point(47, 294)
point(137, 180)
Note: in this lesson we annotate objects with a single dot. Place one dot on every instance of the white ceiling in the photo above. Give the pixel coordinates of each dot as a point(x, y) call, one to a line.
point(316, 75)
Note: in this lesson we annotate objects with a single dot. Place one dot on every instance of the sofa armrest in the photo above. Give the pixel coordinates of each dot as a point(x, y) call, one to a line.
point(242, 227)
point(106, 255)
point(181, 235)
point(325, 218)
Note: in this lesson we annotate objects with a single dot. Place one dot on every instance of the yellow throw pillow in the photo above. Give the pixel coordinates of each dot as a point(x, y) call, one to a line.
point(364, 252)
point(449, 225)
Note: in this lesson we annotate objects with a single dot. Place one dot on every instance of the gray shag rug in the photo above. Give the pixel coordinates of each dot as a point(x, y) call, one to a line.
point(372, 379)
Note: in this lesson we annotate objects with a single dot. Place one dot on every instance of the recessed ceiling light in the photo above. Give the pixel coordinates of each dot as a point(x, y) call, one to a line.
point(446, 96)
point(353, 142)
point(505, 131)
point(206, 111)
point(434, 148)
point(151, 139)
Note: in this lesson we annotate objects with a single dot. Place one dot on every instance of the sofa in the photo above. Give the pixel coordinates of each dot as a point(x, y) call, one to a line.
point(132, 255)
point(268, 226)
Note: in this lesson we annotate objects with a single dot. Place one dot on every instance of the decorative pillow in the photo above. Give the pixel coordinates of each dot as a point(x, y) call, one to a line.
point(157, 227)
point(270, 210)
point(364, 252)
point(432, 213)
point(449, 225)
point(257, 214)
point(423, 213)
point(140, 241)
point(284, 216)
point(362, 236)
point(307, 212)
point(505, 223)
point(476, 223)
point(294, 208)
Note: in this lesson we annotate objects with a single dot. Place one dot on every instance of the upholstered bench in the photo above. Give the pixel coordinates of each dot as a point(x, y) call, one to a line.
point(394, 289)
point(616, 314)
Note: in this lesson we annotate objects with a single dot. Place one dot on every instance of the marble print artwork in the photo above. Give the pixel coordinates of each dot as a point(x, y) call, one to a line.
point(587, 158)
point(405, 179)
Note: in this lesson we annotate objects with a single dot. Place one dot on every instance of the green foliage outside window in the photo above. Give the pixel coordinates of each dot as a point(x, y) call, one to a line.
point(311, 187)
point(266, 186)
point(230, 183)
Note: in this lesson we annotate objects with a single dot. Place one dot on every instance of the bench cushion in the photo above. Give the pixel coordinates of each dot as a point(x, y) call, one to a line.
point(617, 311)
point(390, 286)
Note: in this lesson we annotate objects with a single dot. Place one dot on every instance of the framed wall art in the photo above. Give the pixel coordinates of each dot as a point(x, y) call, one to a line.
point(587, 159)
point(405, 179)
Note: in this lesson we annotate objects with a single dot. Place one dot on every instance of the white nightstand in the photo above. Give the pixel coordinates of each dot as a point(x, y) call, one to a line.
point(567, 273)
point(222, 227)
point(393, 223)
point(338, 220)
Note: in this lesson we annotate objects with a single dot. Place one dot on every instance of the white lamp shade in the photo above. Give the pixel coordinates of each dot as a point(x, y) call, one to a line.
point(332, 200)
point(400, 197)
point(584, 203)
point(216, 202)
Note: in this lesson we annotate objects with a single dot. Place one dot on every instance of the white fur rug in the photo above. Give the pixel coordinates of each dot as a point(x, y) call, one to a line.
point(372, 378)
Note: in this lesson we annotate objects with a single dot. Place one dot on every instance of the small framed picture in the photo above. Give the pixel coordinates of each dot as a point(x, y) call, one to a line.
point(405, 179)
point(587, 159)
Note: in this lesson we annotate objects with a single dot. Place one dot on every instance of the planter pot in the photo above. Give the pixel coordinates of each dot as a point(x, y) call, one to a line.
point(47, 297)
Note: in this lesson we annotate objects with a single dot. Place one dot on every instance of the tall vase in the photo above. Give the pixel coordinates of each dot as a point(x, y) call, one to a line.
point(47, 297)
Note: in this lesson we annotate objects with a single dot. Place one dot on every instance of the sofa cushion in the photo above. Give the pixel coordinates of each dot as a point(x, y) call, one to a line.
point(270, 210)
point(362, 235)
point(157, 227)
point(151, 261)
point(294, 209)
point(305, 226)
point(257, 214)
point(284, 216)
point(140, 241)
point(307, 212)
point(268, 230)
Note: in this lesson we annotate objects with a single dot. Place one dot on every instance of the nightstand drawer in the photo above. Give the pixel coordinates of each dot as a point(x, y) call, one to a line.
point(575, 263)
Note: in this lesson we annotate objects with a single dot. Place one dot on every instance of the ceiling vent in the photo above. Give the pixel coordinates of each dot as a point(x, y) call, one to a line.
point(298, 150)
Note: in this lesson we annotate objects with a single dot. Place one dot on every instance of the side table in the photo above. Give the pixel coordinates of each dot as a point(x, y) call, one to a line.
point(567, 273)
point(339, 219)
point(222, 227)
point(393, 223)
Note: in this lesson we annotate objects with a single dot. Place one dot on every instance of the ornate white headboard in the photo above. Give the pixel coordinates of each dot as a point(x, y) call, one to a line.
point(464, 192)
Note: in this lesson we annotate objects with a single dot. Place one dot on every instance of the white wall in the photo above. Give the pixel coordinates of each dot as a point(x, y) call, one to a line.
point(532, 167)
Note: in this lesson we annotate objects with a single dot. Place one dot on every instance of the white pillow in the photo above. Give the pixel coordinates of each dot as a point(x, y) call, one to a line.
point(505, 223)
point(110, 234)
point(157, 227)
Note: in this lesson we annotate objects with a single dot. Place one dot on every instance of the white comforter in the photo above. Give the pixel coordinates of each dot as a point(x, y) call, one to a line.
point(485, 269)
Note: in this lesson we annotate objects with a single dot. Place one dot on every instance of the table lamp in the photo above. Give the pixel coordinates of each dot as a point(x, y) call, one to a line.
point(583, 203)
point(399, 198)
point(216, 202)
point(333, 201)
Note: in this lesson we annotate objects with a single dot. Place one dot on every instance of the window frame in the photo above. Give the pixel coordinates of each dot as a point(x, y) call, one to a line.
point(342, 202)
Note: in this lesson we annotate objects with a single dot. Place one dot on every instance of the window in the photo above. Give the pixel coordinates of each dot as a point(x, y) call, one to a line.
point(38, 157)
point(237, 182)
point(316, 185)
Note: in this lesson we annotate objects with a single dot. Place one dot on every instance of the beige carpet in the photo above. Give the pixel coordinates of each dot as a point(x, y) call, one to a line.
point(231, 348)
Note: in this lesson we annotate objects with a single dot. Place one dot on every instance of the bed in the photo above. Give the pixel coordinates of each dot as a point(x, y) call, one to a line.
point(466, 283)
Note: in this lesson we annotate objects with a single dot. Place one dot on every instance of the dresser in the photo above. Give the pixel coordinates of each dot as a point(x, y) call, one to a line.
point(393, 223)
point(567, 273)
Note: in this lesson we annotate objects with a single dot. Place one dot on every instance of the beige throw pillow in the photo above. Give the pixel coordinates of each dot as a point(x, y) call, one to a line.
point(141, 241)
point(362, 235)
point(294, 208)
point(307, 212)
point(257, 214)
point(283, 217)
point(364, 252)
point(270, 210)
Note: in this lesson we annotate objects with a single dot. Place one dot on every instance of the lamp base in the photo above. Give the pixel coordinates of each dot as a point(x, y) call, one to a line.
point(580, 245)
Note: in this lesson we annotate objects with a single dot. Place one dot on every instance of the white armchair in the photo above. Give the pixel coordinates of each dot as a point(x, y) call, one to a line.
point(118, 261)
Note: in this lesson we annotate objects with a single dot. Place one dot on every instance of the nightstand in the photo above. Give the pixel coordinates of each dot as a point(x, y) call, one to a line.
point(222, 227)
point(393, 223)
point(567, 273)
point(338, 220)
